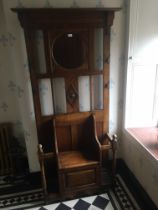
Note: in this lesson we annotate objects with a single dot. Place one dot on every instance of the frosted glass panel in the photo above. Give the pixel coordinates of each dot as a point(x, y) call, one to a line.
point(59, 95)
point(84, 93)
point(97, 98)
point(98, 46)
point(40, 52)
point(143, 95)
point(45, 94)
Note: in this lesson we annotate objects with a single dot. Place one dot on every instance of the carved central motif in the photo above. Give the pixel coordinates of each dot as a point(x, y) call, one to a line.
point(71, 95)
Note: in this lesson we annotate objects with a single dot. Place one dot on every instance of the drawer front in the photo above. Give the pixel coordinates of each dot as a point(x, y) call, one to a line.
point(80, 178)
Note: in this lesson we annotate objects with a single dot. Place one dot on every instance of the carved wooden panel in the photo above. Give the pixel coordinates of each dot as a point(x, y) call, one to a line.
point(72, 94)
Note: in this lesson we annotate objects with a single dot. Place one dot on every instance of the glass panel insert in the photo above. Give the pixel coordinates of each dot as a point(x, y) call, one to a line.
point(59, 95)
point(40, 52)
point(84, 93)
point(98, 49)
point(45, 95)
point(97, 97)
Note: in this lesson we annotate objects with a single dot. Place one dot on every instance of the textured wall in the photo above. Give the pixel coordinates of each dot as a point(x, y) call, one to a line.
point(142, 164)
point(16, 98)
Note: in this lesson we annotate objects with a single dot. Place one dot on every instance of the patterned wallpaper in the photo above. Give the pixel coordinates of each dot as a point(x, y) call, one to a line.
point(16, 103)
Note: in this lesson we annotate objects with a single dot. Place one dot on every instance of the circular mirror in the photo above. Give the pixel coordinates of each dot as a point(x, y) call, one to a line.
point(68, 51)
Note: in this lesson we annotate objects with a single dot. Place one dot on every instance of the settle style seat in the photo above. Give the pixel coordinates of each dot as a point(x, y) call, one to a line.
point(79, 157)
point(78, 154)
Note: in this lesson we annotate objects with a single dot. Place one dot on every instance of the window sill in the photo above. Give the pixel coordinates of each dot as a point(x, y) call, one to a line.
point(148, 137)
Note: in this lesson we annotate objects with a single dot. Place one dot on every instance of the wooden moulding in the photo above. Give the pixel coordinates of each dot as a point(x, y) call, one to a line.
point(84, 17)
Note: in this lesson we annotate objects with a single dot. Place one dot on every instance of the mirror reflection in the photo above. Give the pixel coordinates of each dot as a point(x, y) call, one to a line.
point(68, 51)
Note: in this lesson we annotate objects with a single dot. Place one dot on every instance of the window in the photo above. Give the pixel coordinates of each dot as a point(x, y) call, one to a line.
point(142, 95)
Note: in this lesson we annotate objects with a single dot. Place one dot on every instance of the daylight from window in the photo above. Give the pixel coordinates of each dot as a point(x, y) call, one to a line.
point(142, 86)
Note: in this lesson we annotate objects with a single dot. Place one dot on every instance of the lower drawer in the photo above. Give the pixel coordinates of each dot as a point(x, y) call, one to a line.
point(80, 178)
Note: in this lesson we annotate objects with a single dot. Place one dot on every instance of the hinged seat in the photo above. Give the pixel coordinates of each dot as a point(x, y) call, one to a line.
point(74, 159)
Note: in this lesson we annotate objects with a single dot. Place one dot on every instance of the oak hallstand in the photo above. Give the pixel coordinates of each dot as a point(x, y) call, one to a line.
point(68, 52)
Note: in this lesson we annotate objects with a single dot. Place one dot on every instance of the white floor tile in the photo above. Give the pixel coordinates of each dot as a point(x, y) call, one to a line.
point(71, 203)
point(89, 199)
point(109, 207)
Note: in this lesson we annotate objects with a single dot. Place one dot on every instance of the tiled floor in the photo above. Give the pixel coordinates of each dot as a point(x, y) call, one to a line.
point(118, 198)
point(97, 202)
point(22, 200)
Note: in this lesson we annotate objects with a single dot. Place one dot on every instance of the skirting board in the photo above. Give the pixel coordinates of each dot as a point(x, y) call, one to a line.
point(134, 186)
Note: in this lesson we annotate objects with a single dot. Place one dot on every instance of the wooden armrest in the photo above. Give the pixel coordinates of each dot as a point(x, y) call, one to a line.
point(111, 139)
point(48, 155)
point(111, 144)
point(105, 147)
point(40, 149)
point(43, 155)
point(96, 143)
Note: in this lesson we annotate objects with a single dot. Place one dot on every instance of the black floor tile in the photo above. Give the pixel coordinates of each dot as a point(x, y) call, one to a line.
point(81, 205)
point(62, 206)
point(100, 202)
